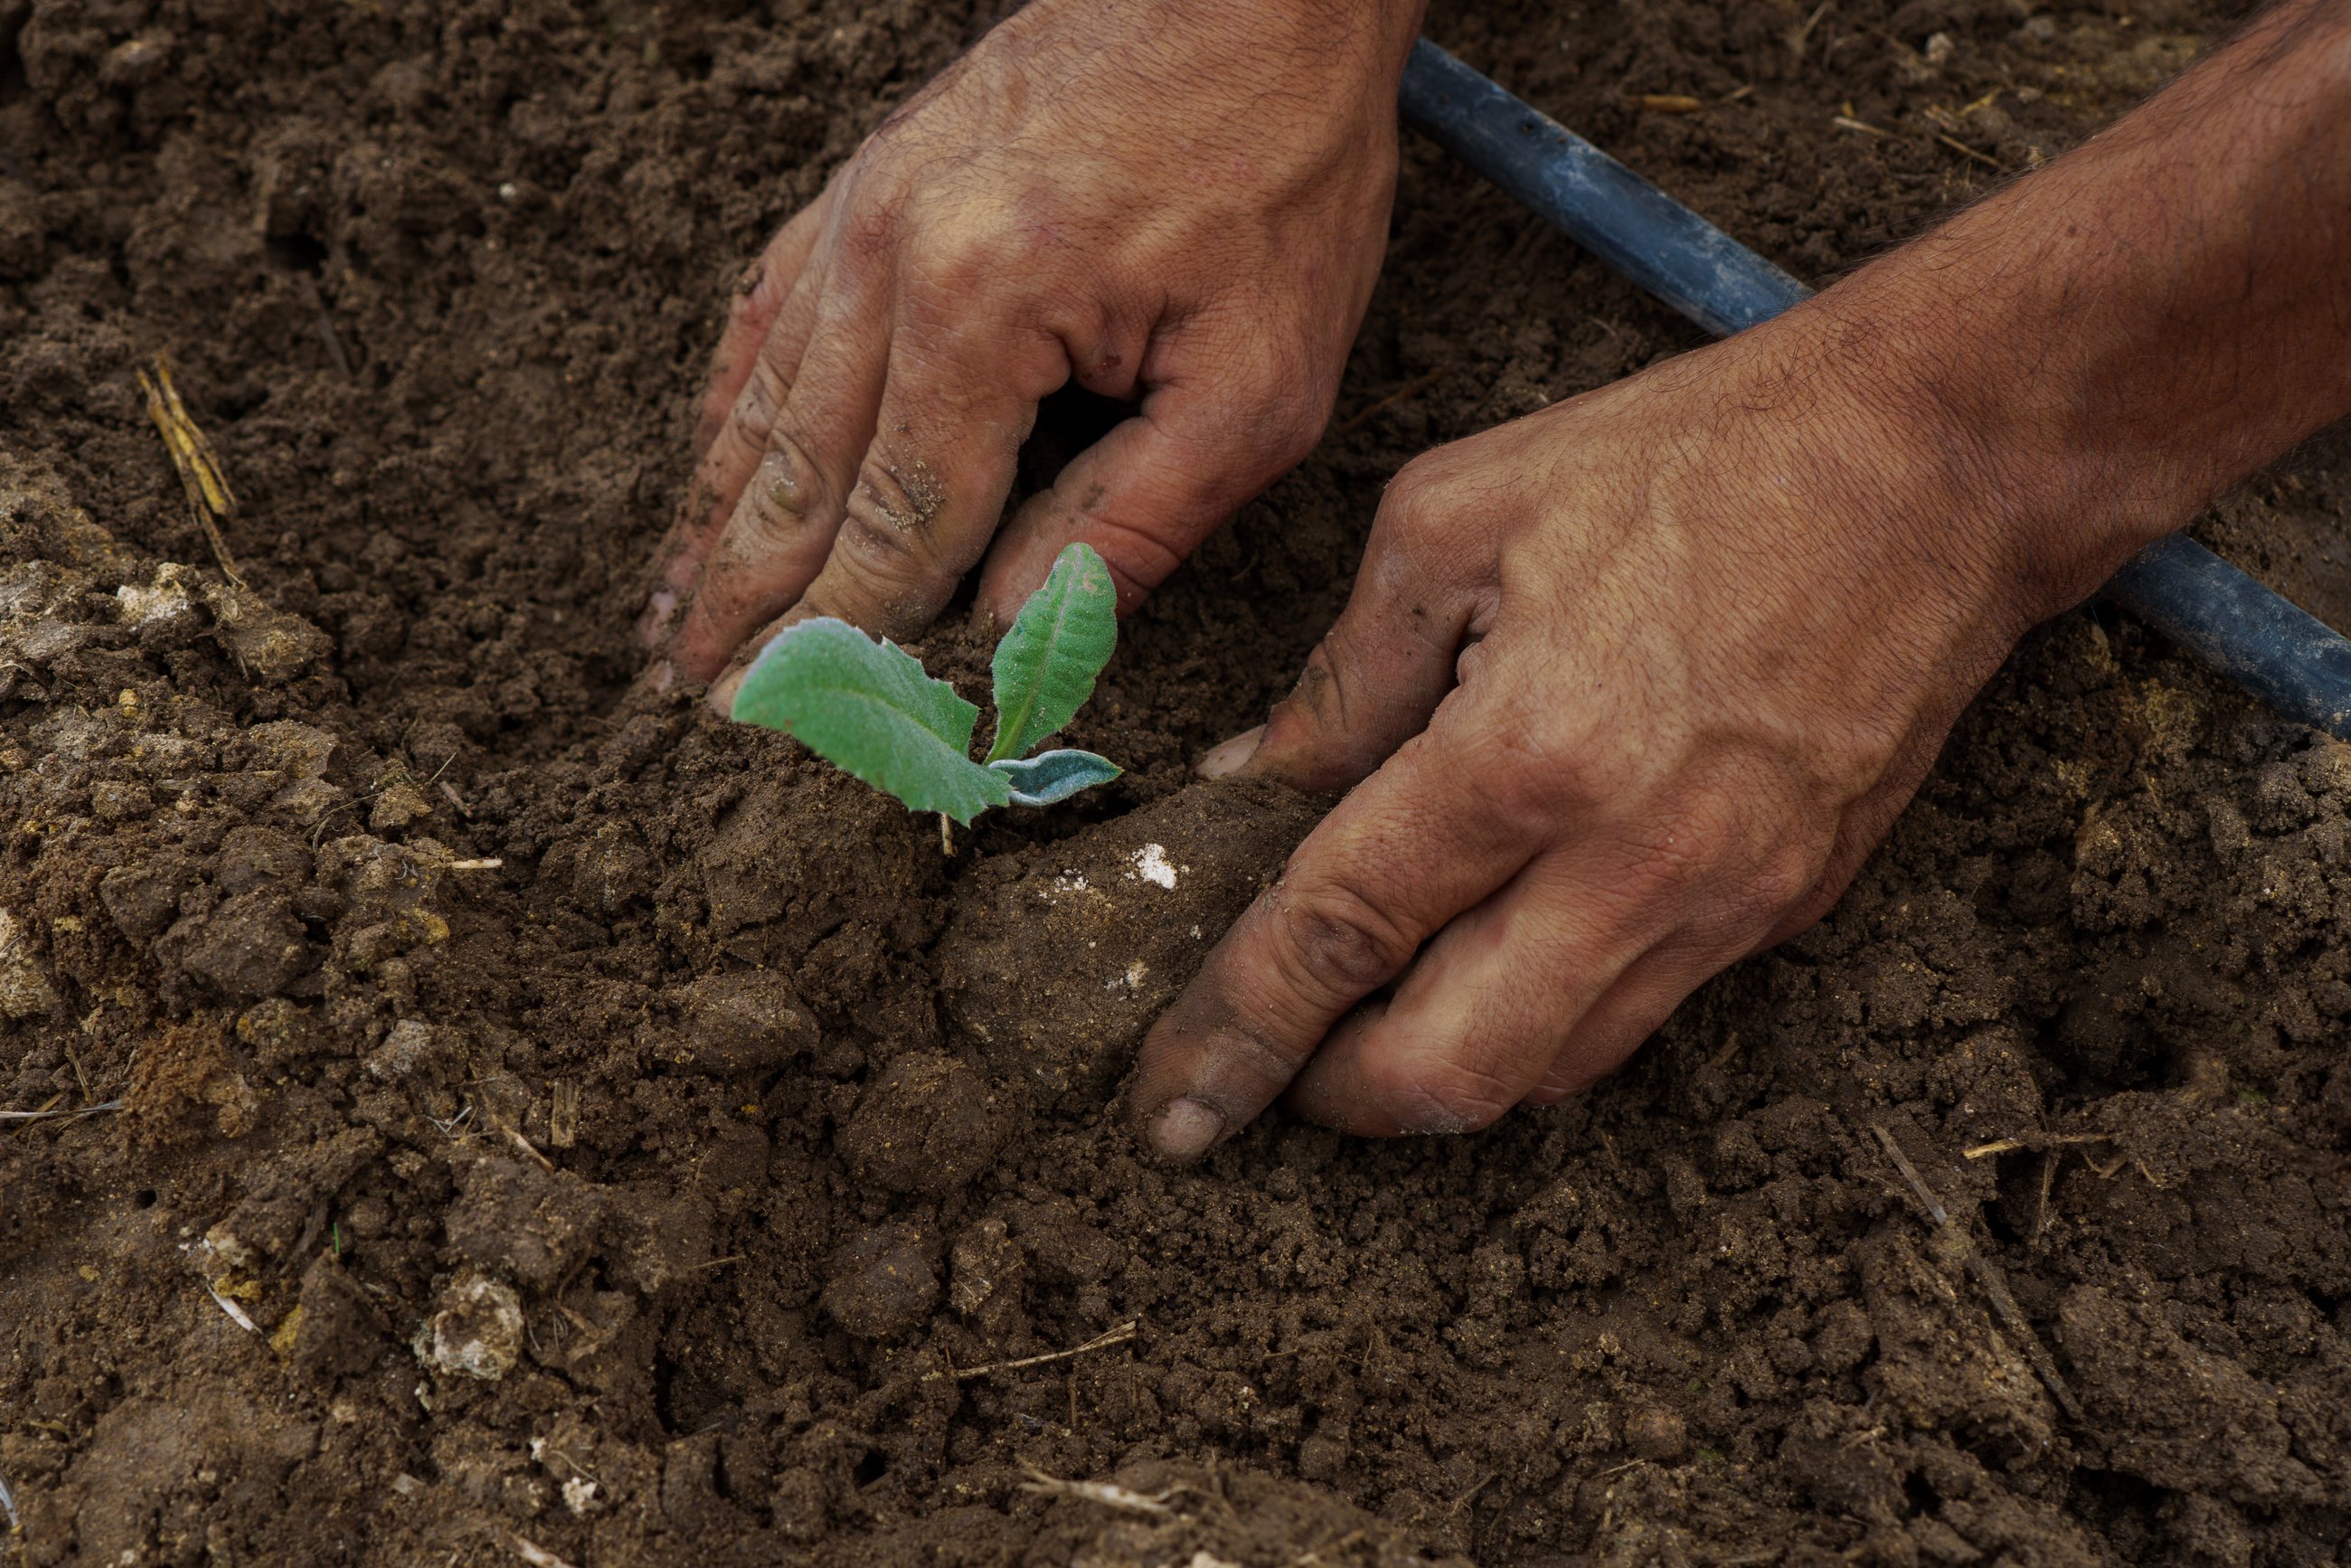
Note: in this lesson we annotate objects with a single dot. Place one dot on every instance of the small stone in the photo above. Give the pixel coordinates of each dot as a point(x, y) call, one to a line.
point(251, 857)
point(163, 611)
point(1656, 1435)
point(987, 1272)
point(295, 749)
point(309, 802)
point(136, 61)
point(611, 869)
point(117, 802)
point(271, 647)
point(341, 1331)
point(410, 1048)
point(528, 1223)
point(252, 946)
point(657, 1234)
point(477, 1332)
point(277, 1032)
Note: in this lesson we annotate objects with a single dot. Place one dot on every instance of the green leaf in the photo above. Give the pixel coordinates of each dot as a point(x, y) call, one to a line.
point(1052, 776)
point(868, 708)
point(1046, 666)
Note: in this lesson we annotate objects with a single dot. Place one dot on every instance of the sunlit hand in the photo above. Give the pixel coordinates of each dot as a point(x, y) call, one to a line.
point(1183, 202)
point(1657, 668)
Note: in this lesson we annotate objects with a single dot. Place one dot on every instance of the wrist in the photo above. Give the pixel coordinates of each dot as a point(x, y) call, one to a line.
point(2105, 345)
point(1980, 436)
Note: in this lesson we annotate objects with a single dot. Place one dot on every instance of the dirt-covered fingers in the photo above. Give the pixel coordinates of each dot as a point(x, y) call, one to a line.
point(767, 332)
point(781, 528)
point(1394, 862)
point(930, 487)
point(1488, 1008)
point(752, 314)
point(920, 511)
point(1143, 497)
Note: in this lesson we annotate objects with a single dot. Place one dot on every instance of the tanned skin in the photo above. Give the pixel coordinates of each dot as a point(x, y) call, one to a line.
point(1628, 688)
point(1182, 202)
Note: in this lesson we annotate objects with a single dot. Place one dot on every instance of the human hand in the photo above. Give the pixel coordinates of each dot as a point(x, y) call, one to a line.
point(1657, 667)
point(1183, 201)
point(1683, 647)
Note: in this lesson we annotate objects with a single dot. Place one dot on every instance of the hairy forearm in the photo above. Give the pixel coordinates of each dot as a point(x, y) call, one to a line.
point(2120, 335)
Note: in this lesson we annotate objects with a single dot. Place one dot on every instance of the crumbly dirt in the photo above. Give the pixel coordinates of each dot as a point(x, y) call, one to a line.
point(649, 1195)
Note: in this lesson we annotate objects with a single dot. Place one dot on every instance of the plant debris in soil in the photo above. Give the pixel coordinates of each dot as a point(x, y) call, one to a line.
point(462, 1109)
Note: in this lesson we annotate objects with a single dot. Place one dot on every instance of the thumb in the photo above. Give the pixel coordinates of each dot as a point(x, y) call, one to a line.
point(1378, 673)
point(1382, 873)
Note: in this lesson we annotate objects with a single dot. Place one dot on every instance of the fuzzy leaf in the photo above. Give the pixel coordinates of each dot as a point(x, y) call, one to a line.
point(1052, 776)
point(868, 708)
point(1046, 666)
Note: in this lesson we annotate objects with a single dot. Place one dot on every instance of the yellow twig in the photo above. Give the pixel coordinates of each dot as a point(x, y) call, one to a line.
point(2032, 1141)
point(210, 499)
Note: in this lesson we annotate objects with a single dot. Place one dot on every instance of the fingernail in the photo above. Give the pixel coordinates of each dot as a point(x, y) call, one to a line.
point(721, 696)
point(663, 676)
point(1228, 756)
point(1184, 1128)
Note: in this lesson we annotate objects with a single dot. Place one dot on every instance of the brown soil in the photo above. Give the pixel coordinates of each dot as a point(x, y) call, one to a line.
point(671, 1191)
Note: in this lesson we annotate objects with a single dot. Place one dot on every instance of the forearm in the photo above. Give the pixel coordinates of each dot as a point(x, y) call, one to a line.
point(2118, 336)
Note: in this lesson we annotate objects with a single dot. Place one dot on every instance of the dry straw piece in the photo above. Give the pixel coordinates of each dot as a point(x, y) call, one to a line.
point(210, 500)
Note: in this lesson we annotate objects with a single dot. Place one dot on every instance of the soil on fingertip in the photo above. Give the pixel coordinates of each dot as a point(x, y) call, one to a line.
point(529, 1120)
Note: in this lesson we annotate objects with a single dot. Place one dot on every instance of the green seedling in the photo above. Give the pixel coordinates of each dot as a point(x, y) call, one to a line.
point(869, 709)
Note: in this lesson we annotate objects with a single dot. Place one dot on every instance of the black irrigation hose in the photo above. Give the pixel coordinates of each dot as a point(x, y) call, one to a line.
point(2232, 624)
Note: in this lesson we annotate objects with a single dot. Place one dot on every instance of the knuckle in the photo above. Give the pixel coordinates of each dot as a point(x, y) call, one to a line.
point(874, 550)
point(869, 228)
point(900, 503)
point(1339, 946)
point(784, 497)
point(754, 413)
point(1261, 1055)
point(882, 574)
point(771, 279)
point(1321, 701)
point(961, 259)
point(1413, 501)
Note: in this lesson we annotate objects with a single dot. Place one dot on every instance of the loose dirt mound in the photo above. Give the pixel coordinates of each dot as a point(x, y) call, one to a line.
point(551, 1121)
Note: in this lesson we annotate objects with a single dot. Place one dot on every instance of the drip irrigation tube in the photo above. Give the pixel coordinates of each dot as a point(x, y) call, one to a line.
point(2234, 625)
